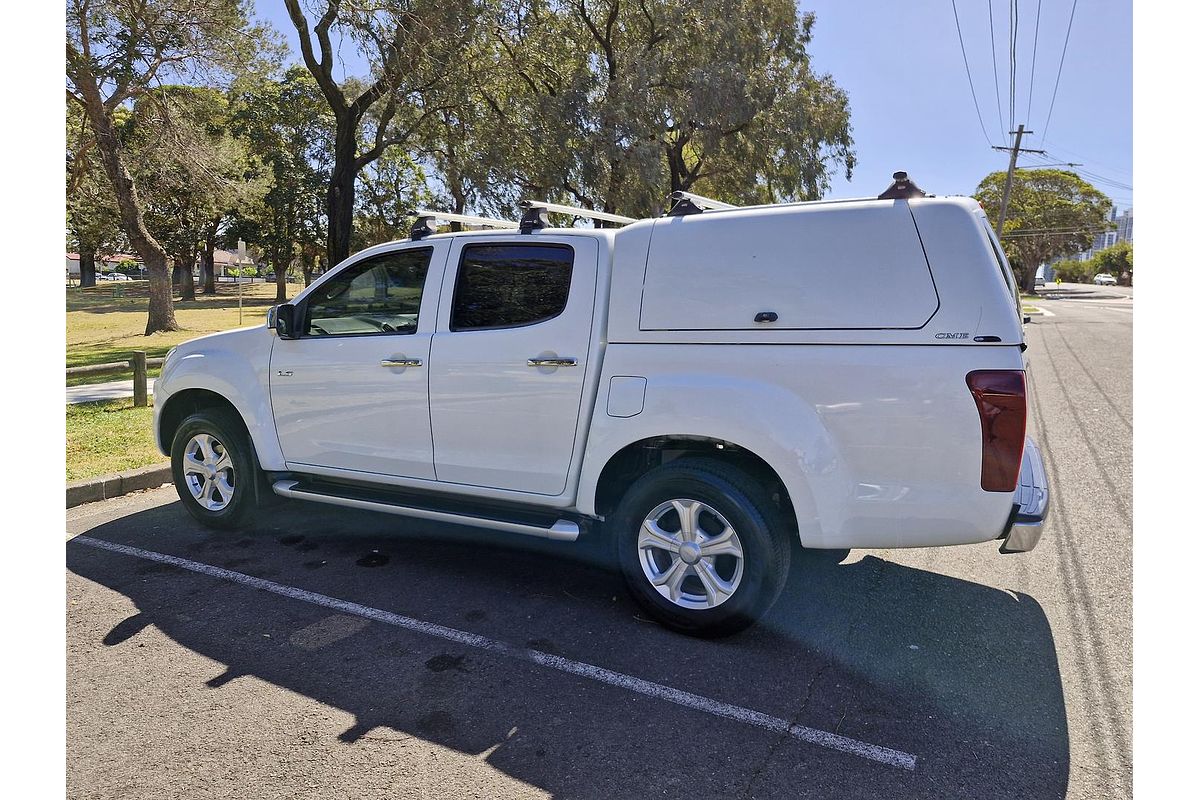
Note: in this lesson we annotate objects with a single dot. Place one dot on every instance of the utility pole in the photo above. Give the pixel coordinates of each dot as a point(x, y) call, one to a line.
point(1014, 151)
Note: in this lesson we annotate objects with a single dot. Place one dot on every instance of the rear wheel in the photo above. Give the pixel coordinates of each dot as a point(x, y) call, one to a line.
point(214, 469)
point(702, 547)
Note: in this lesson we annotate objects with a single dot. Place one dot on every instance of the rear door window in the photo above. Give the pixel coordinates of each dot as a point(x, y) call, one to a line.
point(510, 285)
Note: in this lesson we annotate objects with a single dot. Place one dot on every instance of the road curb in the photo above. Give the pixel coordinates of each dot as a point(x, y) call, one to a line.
point(105, 487)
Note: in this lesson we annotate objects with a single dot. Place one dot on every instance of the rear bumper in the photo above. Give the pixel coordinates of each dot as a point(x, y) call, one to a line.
point(1031, 503)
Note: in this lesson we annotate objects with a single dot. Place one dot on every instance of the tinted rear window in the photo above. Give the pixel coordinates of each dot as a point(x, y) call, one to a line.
point(510, 285)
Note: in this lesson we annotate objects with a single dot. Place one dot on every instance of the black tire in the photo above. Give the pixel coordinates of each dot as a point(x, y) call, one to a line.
point(745, 504)
point(230, 434)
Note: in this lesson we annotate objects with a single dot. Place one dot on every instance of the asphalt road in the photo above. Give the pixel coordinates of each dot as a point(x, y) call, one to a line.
point(1004, 676)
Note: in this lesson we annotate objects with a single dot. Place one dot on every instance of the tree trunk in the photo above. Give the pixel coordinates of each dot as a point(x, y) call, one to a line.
point(458, 195)
point(201, 275)
point(341, 218)
point(340, 198)
point(281, 282)
point(1030, 277)
point(283, 261)
point(187, 282)
point(208, 267)
point(161, 316)
point(306, 264)
point(87, 266)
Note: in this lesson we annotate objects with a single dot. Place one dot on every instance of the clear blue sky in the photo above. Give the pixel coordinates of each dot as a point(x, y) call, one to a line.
point(911, 106)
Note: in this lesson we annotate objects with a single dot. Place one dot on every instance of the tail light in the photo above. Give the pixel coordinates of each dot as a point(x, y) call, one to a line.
point(1000, 398)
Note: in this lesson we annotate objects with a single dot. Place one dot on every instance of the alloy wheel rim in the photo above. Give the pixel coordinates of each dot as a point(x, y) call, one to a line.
point(208, 472)
point(690, 554)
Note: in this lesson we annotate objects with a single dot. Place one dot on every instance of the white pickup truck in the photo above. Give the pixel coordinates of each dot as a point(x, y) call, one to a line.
point(702, 388)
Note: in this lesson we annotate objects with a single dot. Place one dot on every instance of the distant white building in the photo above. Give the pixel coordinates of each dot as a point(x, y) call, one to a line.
point(104, 264)
point(1123, 232)
point(223, 261)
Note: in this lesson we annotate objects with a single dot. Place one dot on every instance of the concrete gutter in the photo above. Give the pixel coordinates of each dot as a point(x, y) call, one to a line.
point(104, 487)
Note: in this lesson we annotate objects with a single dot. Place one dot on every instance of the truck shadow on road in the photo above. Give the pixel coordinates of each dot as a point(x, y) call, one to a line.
point(964, 676)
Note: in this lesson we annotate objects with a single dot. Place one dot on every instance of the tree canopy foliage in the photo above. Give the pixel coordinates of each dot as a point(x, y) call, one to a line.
point(192, 125)
point(1051, 213)
point(121, 51)
point(1116, 260)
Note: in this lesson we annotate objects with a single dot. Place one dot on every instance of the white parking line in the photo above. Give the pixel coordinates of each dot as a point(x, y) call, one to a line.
point(833, 741)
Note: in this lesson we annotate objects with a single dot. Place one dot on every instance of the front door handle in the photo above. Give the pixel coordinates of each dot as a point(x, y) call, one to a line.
point(400, 362)
point(551, 362)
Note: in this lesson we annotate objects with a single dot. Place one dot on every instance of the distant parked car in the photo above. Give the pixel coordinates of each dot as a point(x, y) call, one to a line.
point(1104, 279)
point(1039, 281)
point(115, 276)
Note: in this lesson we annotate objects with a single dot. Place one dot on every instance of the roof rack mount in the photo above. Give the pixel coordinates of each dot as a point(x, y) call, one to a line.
point(902, 188)
point(683, 203)
point(535, 214)
point(428, 220)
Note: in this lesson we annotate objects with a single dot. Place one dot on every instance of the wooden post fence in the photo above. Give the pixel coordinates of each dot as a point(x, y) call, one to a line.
point(138, 365)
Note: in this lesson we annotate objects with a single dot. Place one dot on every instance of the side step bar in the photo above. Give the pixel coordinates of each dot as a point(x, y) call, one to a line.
point(563, 530)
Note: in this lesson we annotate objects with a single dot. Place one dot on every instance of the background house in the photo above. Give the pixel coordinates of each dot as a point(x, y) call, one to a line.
point(103, 264)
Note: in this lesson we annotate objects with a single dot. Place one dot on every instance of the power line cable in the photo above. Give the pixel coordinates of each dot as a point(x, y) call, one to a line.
point(1109, 167)
point(1091, 175)
point(1096, 178)
point(970, 82)
point(996, 74)
point(1063, 58)
point(1037, 24)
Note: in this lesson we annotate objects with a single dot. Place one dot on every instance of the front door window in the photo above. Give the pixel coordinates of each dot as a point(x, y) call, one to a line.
point(379, 295)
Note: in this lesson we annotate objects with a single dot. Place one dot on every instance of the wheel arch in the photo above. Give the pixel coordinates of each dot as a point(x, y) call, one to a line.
point(229, 370)
point(183, 404)
point(636, 458)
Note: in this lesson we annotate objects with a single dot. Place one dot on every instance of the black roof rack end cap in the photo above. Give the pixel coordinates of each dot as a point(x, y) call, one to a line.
point(424, 226)
point(902, 188)
point(533, 219)
point(681, 206)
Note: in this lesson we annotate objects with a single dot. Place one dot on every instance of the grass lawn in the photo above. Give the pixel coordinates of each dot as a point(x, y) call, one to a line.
point(103, 438)
point(109, 437)
point(102, 328)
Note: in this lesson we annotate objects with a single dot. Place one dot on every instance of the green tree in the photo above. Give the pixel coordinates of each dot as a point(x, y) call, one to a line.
point(1074, 271)
point(414, 47)
point(190, 168)
point(635, 99)
point(1051, 213)
point(93, 222)
point(288, 125)
point(117, 51)
point(1116, 261)
point(390, 188)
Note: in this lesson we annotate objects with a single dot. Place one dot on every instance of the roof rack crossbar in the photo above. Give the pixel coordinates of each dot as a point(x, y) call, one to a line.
point(428, 220)
point(687, 203)
point(586, 213)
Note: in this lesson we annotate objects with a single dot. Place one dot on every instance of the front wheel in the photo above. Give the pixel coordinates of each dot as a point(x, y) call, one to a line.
point(702, 547)
point(214, 469)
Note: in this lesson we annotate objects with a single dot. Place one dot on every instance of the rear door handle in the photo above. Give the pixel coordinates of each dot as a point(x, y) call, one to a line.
point(400, 362)
point(551, 362)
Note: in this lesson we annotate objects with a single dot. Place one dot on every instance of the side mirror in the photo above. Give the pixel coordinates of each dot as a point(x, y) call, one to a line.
point(282, 319)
